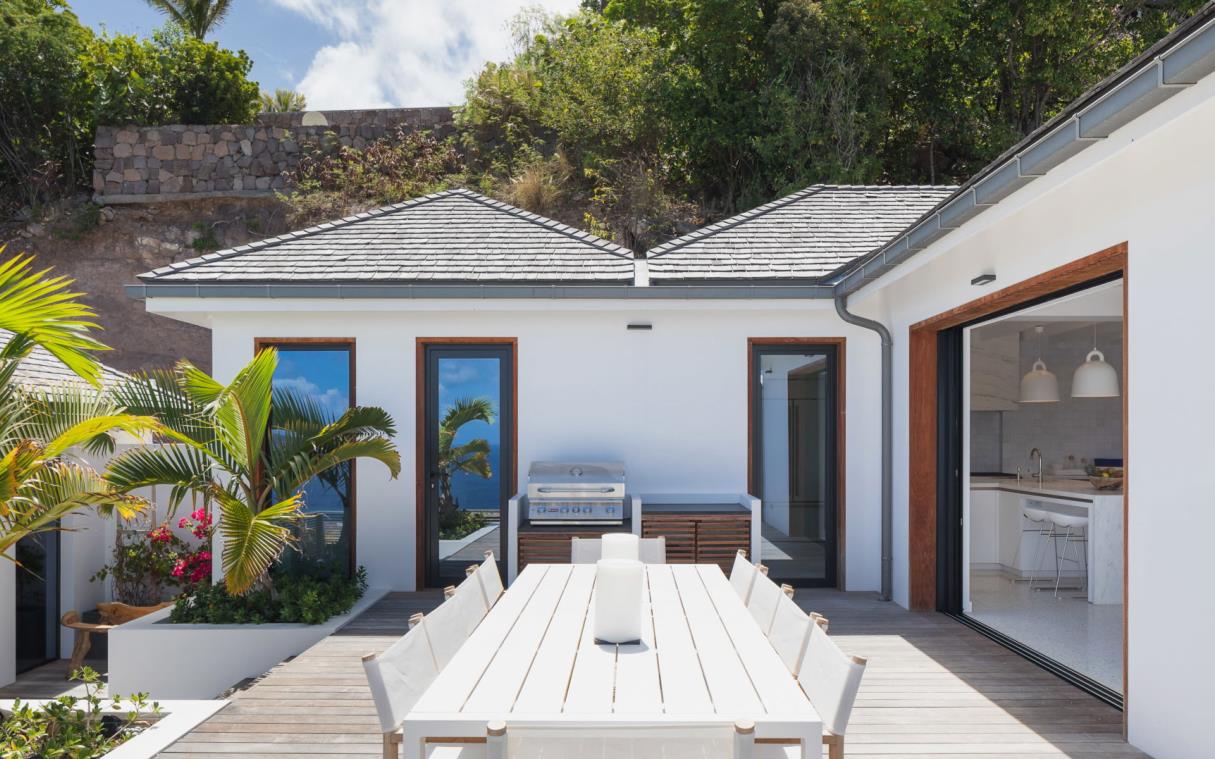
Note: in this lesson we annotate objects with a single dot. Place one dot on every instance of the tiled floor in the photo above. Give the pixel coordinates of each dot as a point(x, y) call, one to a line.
point(1068, 629)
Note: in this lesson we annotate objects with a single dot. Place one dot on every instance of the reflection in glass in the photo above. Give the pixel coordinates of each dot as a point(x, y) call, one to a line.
point(469, 455)
point(321, 374)
point(37, 603)
point(794, 412)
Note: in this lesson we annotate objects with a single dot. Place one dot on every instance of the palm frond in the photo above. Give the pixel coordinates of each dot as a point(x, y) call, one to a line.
point(56, 409)
point(42, 310)
point(254, 540)
point(83, 432)
point(183, 468)
point(292, 474)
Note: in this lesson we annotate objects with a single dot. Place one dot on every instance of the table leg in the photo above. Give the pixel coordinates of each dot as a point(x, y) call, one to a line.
point(79, 650)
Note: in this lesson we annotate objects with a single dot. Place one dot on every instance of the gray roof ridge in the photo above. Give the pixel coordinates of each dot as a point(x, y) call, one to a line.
point(586, 237)
point(786, 200)
point(580, 235)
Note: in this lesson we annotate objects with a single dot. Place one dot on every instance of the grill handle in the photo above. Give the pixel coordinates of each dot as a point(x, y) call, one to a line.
point(575, 490)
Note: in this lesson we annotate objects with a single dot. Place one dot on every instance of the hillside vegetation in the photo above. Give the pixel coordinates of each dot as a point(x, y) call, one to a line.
point(635, 119)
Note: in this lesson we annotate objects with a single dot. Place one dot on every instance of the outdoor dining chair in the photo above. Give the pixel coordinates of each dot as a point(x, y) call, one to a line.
point(742, 576)
point(675, 741)
point(589, 550)
point(448, 626)
point(490, 580)
point(790, 632)
point(830, 679)
point(764, 598)
point(397, 678)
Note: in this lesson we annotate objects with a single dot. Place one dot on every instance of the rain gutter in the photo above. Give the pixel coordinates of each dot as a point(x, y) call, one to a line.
point(480, 292)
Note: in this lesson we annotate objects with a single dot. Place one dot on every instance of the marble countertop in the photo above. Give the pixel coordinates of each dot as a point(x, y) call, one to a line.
point(1049, 487)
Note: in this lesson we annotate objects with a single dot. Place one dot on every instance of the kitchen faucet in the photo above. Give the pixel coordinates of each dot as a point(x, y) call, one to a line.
point(1034, 453)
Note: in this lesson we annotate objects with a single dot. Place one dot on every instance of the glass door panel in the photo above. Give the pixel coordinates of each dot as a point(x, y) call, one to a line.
point(794, 466)
point(469, 422)
point(37, 600)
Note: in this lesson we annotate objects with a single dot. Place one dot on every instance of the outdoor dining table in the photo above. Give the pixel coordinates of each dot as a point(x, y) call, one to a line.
point(533, 660)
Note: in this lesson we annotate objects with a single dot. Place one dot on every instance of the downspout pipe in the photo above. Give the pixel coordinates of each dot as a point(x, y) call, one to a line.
point(841, 308)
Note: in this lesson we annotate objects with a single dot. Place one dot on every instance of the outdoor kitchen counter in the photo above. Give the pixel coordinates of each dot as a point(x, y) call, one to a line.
point(1059, 488)
point(696, 508)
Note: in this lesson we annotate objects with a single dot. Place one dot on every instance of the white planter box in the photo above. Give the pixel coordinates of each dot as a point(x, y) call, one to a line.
point(198, 661)
point(176, 719)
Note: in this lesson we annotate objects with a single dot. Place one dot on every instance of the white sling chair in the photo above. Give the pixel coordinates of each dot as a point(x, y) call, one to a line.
point(690, 741)
point(765, 596)
point(742, 576)
point(588, 550)
point(790, 632)
point(449, 626)
point(490, 580)
point(831, 680)
point(397, 678)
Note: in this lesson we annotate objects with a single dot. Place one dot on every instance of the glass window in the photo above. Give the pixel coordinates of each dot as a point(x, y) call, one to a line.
point(322, 374)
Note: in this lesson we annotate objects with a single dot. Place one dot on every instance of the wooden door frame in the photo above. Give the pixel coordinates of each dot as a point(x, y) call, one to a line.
point(420, 345)
point(922, 412)
point(349, 343)
point(840, 344)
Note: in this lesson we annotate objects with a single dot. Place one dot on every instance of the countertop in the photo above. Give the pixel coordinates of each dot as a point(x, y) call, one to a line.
point(1050, 487)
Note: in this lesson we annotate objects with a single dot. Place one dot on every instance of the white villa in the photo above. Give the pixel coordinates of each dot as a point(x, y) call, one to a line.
point(984, 401)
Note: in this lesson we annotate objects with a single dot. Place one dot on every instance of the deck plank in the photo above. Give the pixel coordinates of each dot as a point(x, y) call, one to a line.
point(932, 688)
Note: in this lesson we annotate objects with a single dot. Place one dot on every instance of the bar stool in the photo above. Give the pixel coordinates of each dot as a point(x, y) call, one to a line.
point(1074, 529)
point(1040, 524)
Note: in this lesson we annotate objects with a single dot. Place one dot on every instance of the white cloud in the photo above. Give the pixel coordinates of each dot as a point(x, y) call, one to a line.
point(406, 52)
point(331, 399)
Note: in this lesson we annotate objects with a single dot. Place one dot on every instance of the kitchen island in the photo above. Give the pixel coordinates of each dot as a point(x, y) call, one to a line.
point(1002, 538)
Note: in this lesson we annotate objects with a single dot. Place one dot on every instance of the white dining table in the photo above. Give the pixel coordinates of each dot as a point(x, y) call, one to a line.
point(533, 660)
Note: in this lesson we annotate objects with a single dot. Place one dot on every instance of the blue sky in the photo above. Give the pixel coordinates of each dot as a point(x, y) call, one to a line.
point(352, 53)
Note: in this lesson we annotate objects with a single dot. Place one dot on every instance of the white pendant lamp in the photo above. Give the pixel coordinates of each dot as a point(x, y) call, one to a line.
point(1039, 385)
point(1094, 378)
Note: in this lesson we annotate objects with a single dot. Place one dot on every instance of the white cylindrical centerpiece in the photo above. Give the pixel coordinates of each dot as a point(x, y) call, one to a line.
point(619, 585)
point(621, 545)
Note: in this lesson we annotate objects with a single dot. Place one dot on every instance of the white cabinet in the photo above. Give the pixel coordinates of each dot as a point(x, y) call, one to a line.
point(984, 528)
point(995, 376)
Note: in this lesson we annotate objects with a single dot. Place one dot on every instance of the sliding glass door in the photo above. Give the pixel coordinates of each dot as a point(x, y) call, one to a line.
point(794, 390)
point(37, 607)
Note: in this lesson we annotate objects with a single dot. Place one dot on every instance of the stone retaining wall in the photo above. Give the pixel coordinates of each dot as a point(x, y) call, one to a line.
point(146, 164)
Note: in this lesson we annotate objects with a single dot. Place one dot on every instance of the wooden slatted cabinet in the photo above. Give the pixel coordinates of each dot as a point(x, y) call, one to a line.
point(700, 538)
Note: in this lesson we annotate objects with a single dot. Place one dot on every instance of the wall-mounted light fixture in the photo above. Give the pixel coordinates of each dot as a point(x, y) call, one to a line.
point(640, 325)
point(984, 279)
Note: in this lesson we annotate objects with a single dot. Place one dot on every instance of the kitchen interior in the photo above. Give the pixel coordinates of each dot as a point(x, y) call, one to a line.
point(1043, 515)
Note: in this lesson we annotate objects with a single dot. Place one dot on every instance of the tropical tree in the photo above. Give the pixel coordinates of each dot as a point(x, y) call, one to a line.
point(197, 17)
point(471, 457)
point(282, 101)
point(248, 450)
point(40, 480)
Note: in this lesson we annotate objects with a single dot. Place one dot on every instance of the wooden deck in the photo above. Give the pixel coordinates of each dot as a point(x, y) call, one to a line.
point(933, 688)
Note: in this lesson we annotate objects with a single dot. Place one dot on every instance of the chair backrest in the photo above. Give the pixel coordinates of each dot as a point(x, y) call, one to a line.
point(653, 550)
point(489, 578)
point(399, 675)
point(674, 741)
point(765, 596)
point(585, 550)
point(590, 550)
point(790, 632)
point(453, 621)
point(830, 679)
point(742, 576)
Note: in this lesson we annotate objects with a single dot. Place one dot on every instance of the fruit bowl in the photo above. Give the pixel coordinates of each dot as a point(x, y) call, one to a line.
point(1106, 483)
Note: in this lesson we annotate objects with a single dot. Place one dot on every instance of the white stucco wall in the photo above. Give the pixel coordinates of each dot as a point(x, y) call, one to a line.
point(1152, 185)
point(671, 402)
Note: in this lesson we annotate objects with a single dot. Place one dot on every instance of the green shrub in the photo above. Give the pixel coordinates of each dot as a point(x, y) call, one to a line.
point(457, 523)
point(310, 594)
point(71, 726)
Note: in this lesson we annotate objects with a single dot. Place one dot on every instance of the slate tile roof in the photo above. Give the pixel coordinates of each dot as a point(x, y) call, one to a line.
point(41, 370)
point(806, 235)
point(452, 236)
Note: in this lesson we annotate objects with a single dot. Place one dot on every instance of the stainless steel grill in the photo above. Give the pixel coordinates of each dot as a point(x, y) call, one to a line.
point(575, 493)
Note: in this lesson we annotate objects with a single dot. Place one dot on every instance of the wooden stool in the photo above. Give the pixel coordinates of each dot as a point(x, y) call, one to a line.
point(113, 614)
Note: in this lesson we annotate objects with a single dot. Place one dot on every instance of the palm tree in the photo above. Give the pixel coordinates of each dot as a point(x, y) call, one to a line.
point(40, 480)
point(247, 449)
point(471, 457)
point(282, 101)
point(196, 17)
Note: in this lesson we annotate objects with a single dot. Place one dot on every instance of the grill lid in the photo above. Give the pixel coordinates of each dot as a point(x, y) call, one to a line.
point(585, 473)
